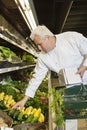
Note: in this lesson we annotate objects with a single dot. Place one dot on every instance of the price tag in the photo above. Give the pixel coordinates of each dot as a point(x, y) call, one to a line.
point(3, 128)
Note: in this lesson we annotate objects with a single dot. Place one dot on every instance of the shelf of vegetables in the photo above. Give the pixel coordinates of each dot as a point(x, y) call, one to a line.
point(12, 89)
point(17, 62)
point(9, 61)
point(35, 111)
point(17, 43)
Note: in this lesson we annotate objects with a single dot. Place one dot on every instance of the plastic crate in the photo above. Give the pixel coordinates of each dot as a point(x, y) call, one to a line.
point(75, 102)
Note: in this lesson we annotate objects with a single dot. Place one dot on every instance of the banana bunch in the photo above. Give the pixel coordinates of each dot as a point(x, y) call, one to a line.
point(35, 113)
point(8, 100)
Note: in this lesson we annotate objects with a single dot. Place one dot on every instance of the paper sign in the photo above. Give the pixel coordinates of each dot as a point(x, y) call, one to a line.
point(69, 76)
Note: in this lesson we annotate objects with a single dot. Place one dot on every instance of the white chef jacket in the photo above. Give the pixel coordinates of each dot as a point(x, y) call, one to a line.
point(70, 51)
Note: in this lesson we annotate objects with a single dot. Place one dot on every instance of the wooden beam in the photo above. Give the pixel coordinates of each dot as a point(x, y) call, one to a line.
point(67, 4)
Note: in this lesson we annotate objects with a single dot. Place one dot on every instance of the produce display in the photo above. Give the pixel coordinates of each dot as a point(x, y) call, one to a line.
point(6, 54)
point(12, 89)
point(27, 115)
point(35, 109)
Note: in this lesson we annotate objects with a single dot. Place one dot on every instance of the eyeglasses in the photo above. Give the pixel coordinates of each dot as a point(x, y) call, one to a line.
point(41, 42)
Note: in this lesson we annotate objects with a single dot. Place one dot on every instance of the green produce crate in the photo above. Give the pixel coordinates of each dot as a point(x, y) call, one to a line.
point(75, 102)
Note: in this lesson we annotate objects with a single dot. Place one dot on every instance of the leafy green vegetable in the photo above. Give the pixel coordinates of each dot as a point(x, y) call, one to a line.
point(57, 106)
point(7, 54)
point(29, 58)
point(2, 105)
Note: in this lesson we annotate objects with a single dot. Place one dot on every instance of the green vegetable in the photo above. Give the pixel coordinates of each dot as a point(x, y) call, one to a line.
point(57, 106)
point(15, 116)
point(29, 58)
point(20, 116)
point(6, 52)
point(11, 112)
point(15, 122)
point(34, 120)
point(8, 89)
point(29, 119)
point(2, 105)
point(25, 116)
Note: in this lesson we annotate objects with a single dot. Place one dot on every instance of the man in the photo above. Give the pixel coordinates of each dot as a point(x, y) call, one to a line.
point(68, 49)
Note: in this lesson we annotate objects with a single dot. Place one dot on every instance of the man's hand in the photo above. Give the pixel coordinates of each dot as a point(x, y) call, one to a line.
point(81, 70)
point(19, 105)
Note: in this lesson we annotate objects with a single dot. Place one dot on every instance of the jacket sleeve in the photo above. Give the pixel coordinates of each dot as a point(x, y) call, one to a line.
point(39, 74)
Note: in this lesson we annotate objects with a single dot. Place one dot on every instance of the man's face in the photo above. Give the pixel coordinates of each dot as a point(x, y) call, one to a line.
point(44, 44)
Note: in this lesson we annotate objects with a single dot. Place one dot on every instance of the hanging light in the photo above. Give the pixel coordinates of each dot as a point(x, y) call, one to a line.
point(26, 11)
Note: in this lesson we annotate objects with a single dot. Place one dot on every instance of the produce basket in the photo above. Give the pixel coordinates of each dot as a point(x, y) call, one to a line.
point(75, 102)
point(30, 126)
point(8, 120)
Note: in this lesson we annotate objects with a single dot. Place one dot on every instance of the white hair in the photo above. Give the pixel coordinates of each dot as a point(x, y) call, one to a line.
point(41, 31)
